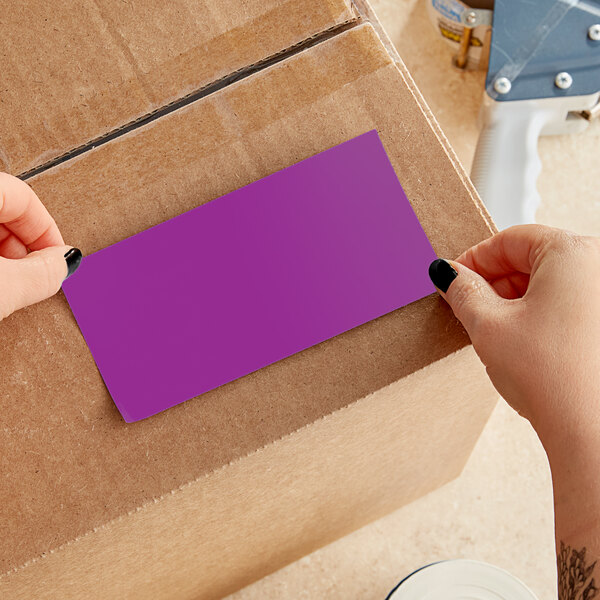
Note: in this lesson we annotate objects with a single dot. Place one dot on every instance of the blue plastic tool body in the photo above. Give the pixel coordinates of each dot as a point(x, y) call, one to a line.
point(533, 41)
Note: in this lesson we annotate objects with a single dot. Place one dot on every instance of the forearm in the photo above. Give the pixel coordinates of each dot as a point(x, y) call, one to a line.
point(575, 464)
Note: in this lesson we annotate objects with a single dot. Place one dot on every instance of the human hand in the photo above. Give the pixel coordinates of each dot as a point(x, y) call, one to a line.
point(529, 298)
point(34, 260)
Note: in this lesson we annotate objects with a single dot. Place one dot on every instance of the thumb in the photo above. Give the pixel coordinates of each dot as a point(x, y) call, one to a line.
point(36, 277)
point(472, 299)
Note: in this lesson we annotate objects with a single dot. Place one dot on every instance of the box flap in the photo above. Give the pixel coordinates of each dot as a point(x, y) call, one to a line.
point(73, 71)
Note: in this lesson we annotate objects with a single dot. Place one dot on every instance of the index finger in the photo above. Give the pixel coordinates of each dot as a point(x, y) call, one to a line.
point(24, 215)
point(513, 250)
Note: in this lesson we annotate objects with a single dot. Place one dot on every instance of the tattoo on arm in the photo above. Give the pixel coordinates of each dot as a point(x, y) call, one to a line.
point(575, 577)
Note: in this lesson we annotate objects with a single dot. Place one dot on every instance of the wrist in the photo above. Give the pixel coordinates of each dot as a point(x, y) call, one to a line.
point(567, 426)
point(573, 452)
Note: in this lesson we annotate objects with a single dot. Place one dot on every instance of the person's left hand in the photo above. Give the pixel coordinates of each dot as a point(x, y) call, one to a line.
point(34, 259)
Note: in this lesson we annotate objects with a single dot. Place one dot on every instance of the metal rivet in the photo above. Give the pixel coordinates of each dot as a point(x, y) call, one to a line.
point(563, 80)
point(502, 85)
point(471, 17)
point(594, 32)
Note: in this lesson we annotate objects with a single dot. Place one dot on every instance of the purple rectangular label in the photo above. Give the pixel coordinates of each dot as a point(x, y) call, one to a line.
point(250, 278)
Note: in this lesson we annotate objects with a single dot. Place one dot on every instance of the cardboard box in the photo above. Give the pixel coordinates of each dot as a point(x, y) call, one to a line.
point(206, 497)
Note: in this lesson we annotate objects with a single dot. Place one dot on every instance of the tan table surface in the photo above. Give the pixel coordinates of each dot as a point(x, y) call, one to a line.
point(500, 509)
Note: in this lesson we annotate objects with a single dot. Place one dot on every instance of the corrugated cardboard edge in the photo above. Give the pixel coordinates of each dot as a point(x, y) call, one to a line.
point(366, 10)
point(344, 458)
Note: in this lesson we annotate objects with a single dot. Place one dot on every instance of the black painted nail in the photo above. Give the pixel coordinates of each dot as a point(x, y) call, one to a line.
point(442, 273)
point(73, 258)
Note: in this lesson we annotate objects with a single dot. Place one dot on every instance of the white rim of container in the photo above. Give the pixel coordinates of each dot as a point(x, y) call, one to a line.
point(459, 579)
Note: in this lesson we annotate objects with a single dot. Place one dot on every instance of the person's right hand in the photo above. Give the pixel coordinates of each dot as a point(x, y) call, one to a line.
point(529, 298)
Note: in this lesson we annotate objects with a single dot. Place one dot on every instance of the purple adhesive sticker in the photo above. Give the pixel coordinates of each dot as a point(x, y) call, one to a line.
point(250, 278)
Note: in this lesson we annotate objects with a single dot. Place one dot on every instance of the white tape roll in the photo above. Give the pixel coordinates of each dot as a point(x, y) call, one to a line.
point(461, 580)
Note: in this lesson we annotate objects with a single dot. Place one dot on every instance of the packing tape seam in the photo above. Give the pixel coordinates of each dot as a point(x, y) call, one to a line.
point(448, 149)
point(450, 153)
point(192, 482)
point(364, 7)
point(445, 143)
point(196, 95)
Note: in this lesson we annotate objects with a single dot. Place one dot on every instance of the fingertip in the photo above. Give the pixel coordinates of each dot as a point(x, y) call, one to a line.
point(442, 274)
point(51, 260)
point(73, 258)
point(35, 277)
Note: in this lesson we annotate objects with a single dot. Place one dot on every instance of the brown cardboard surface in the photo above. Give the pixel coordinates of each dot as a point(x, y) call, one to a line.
point(291, 497)
point(73, 70)
point(69, 462)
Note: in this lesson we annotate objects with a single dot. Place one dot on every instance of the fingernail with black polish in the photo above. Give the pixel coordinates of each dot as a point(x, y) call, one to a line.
point(442, 273)
point(73, 258)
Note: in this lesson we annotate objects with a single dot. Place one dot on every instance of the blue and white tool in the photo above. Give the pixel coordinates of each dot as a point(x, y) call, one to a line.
point(543, 78)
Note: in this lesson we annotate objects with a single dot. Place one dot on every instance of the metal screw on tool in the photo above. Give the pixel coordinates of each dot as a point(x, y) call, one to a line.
point(502, 85)
point(563, 80)
point(594, 32)
point(471, 18)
